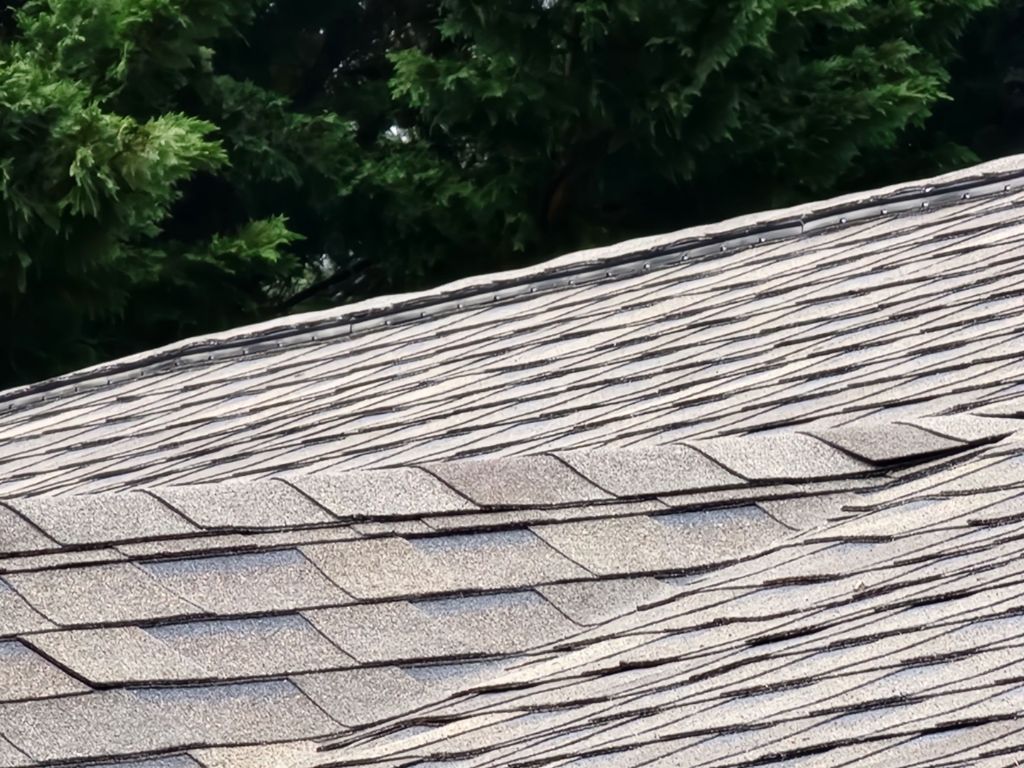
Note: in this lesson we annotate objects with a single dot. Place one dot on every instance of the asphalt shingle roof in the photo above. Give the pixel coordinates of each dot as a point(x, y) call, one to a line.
point(743, 495)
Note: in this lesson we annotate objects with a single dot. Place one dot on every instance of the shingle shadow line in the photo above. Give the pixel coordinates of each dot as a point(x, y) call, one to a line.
point(781, 633)
point(896, 732)
point(65, 668)
point(112, 759)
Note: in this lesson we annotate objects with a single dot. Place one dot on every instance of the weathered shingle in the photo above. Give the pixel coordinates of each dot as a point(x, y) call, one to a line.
point(887, 442)
point(11, 756)
point(486, 625)
point(517, 481)
point(260, 647)
point(99, 519)
point(247, 583)
point(17, 616)
point(404, 492)
point(24, 674)
point(267, 504)
point(397, 567)
point(120, 655)
point(673, 542)
point(650, 471)
point(17, 535)
point(132, 722)
point(356, 697)
point(780, 457)
point(592, 602)
point(98, 594)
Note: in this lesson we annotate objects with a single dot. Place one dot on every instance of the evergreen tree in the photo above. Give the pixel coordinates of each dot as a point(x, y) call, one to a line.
point(169, 167)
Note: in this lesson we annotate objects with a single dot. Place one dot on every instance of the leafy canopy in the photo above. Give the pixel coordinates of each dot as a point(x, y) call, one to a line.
point(169, 167)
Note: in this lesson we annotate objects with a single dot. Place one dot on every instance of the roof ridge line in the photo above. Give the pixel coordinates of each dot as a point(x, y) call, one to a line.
point(604, 263)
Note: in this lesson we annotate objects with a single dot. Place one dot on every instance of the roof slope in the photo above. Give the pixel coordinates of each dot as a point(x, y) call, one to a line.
point(889, 304)
point(745, 495)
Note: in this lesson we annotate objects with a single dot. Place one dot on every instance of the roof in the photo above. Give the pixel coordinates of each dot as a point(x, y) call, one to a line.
point(749, 494)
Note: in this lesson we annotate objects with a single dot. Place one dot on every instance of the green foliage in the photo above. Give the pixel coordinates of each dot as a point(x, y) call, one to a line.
point(170, 167)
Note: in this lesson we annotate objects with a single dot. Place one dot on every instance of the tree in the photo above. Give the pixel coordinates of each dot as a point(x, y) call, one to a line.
point(169, 167)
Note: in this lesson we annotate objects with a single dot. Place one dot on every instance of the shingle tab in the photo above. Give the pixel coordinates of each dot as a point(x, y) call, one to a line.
point(11, 756)
point(396, 567)
point(787, 456)
point(650, 471)
point(593, 602)
point(518, 481)
point(257, 582)
point(674, 542)
point(120, 655)
point(885, 443)
point(401, 492)
point(121, 722)
point(263, 504)
point(272, 645)
point(970, 427)
point(486, 625)
point(99, 519)
point(173, 761)
point(356, 697)
point(16, 535)
point(98, 594)
point(17, 616)
point(25, 674)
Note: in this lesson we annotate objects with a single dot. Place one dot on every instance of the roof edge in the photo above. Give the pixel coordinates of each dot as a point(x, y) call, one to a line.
point(607, 262)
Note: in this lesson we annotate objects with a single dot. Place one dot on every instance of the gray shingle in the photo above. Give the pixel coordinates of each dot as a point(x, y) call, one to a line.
point(650, 471)
point(121, 722)
point(61, 558)
point(232, 543)
point(11, 756)
point(674, 542)
point(401, 492)
point(17, 616)
point(803, 512)
point(16, 535)
point(520, 481)
point(593, 602)
point(174, 761)
point(245, 713)
point(397, 567)
point(502, 623)
point(104, 518)
point(786, 456)
point(495, 518)
point(969, 427)
point(78, 727)
point(356, 697)
point(98, 594)
point(256, 582)
point(258, 504)
point(273, 645)
point(885, 443)
point(118, 655)
point(293, 754)
point(25, 674)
